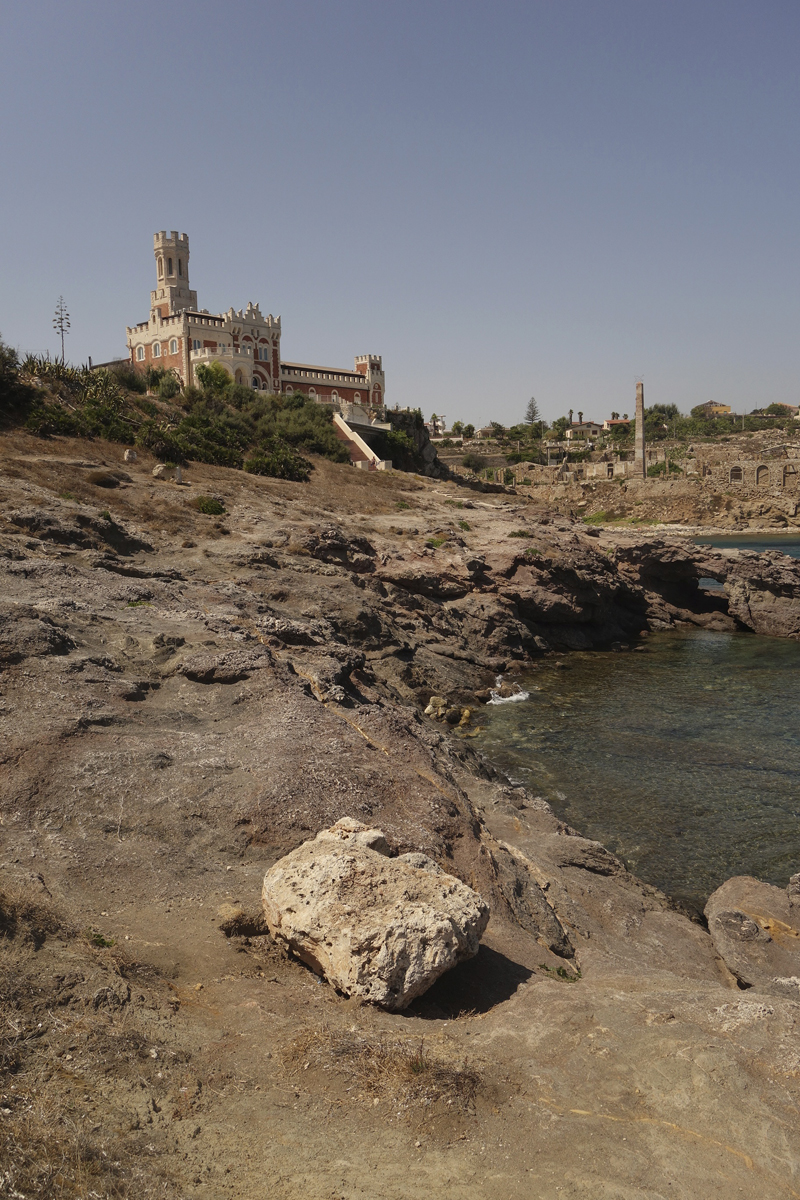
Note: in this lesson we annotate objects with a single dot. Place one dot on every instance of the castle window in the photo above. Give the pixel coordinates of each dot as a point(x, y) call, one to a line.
point(161, 268)
point(256, 384)
point(156, 350)
point(180, 267)
point(762, 476)
point(139, 353)
point(173, 346)
point(195, 343)
point(169, 266)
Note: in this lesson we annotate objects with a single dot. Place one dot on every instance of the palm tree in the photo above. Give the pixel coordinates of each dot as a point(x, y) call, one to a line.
point(580, 417)
point(570, 416)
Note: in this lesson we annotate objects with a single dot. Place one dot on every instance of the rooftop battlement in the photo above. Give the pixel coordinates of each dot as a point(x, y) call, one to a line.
point(175, 241)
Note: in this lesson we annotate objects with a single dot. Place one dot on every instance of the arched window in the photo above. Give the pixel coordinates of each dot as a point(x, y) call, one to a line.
point(356, 397)
point(238, 377)
point(169, 266)
point(173, 346)
point(762, 476)
point(256, 383)
point(312, 391)
point(161, 268)
point(180, 267)
point(139, 353)
point(736, 474)
point(156, 350)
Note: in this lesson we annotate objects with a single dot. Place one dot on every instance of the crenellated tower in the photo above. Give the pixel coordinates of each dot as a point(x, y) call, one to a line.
point(371, 367)
point(172, 293)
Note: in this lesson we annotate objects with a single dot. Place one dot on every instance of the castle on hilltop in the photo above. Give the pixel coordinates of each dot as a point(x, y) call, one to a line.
point(181, 337)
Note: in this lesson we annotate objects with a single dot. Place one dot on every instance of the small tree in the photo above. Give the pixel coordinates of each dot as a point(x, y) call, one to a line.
point(61, 322)
point(458, 428)
point(532, 416)
point(580, 417)
point(213, 378)
point(570, 416)
point(474, 462)
point(469, 431)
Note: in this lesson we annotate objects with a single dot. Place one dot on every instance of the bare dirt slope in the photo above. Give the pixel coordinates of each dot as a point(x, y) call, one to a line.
point(184, 698)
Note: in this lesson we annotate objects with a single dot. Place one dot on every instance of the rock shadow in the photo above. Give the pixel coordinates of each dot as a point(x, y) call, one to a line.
point(475, 986)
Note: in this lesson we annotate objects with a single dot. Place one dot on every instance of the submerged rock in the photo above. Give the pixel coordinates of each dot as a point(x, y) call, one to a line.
point(380, 928)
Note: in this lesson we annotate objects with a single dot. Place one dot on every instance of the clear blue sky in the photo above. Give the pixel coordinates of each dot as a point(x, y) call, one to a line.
point(503, 199)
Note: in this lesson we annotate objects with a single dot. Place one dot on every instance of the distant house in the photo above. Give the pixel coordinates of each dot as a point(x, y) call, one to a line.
point(436, 426)
point(710, 409)
point(615, 422)
point(584, 429)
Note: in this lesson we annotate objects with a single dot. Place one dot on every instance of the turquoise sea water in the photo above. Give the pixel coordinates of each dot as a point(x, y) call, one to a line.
point(683, 758)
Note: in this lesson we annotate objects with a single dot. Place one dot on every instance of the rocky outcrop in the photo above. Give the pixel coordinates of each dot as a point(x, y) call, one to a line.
point(379, 928)
point(755, 928)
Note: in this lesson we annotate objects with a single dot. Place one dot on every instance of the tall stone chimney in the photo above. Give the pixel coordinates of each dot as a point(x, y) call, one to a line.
point(640, 463)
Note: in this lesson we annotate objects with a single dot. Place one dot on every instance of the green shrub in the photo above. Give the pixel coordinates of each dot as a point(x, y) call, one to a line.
point(161, 440)
point(402, 504)
point(280, 462)
point(656, 469)
point(520, 533)
point(208, 505)
point(169, 386)
point(474, 462)
point(465, 526)
point(213, 378)
point(153, 377)
point(128, 377)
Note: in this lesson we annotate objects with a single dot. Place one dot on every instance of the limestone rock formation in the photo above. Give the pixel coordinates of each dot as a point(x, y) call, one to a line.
point(380, 928)
point(756, 931)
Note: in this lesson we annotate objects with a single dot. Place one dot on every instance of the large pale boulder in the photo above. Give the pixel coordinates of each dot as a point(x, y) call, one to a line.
point(377, 927)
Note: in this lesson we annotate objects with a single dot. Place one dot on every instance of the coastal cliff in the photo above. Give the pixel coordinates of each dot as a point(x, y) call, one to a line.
point(188, 695)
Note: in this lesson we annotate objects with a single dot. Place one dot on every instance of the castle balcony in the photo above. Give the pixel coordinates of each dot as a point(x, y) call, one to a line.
point(238, 363)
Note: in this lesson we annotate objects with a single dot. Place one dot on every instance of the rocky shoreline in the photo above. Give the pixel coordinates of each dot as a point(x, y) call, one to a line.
point(187, 698)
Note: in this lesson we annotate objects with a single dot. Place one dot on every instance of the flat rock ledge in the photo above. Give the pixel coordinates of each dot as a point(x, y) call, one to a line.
point(380, 928)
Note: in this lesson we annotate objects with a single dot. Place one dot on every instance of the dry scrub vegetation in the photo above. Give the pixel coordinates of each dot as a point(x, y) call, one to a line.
point(47, 1149)
point(403, 1071)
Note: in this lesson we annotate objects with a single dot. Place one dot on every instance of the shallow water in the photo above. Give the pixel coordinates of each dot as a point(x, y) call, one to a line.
point(682, 758)
point(787, 543)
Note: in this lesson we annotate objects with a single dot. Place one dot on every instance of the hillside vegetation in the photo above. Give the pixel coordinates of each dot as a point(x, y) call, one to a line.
point(219, 422)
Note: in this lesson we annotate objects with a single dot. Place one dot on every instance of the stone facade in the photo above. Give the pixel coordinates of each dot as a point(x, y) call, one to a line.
point(179, 336)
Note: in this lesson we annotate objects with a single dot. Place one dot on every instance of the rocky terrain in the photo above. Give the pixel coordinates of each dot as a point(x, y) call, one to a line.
point(186, 697)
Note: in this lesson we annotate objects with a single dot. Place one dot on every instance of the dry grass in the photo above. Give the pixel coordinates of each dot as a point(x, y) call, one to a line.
point(404, 1071)
point(46, 1154)
point(47, 1149)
